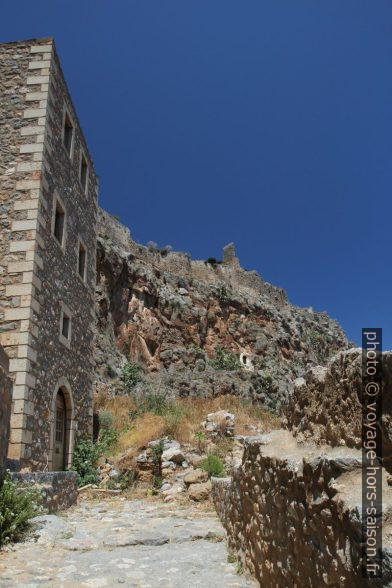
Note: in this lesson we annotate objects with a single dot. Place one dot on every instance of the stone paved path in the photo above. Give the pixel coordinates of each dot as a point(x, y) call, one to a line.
point(133, 543)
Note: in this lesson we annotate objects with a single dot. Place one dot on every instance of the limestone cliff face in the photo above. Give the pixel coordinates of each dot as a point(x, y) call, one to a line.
point(170, 314)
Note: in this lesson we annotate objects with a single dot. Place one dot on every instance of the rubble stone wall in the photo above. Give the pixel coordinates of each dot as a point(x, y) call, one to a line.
point(325, 405)
point(59, 490)
point(293, 513)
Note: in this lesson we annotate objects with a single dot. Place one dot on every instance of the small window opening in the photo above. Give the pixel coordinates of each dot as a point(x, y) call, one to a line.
point(83, 173)
point(82, 257)
point(68, 134)
point(244, 359)
point(59, 223)
point(65, 327)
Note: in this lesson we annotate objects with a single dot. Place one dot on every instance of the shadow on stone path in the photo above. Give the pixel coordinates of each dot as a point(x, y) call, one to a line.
point(133, 543)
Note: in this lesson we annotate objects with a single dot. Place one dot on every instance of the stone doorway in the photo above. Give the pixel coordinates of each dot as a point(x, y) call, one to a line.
point(63, 425)
point(59, 434)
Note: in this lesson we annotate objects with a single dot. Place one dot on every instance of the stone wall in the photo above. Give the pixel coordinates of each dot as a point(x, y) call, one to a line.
point(59, 490)
point(38, 276)
point(293, 514)
point(5, 408)
point(325, 405)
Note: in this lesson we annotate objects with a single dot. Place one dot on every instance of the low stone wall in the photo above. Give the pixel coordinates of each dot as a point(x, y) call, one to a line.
point(59, 489)
point(293, 514)
point(5, 408)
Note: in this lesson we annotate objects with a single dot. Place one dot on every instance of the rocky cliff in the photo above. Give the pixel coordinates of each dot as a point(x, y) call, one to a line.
point(172, 315)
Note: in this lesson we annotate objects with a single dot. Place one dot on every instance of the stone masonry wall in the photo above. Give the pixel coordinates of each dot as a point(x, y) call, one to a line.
point(325, 405)
point(293, 514)
point(5, 408)
point(23, 103)
point(39, 277)
point(59, 490)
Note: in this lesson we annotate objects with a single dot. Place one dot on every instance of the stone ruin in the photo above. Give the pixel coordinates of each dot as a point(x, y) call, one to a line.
point(293, 508)
point(229, 257)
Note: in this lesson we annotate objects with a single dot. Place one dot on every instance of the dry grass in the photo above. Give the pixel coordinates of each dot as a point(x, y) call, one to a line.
point(181, 419)
point(143, 429)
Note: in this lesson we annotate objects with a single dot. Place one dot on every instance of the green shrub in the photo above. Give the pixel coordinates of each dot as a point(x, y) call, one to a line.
point(131, 374)
point(123, 482)
point(107, 439)
point(157, 482)
point(18, 505)
point(155, 402)
point(225, 360)
point(213, 465)
point(157, 450)
point(85, 457)
point(105, 418)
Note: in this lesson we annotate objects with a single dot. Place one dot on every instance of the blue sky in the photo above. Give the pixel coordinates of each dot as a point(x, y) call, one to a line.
point(266, 123)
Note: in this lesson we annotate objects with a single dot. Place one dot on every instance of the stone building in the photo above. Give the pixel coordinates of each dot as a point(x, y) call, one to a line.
point(48, 212)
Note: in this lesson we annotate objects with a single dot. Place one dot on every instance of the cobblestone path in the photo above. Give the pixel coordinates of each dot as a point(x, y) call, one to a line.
point(114, 542)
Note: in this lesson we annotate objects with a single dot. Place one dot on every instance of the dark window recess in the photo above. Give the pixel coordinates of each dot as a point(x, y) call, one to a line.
point(68, 134)
point(82, 261)
point(244, 359)
point(59, 223)
point(83, 173)
point(65, 326)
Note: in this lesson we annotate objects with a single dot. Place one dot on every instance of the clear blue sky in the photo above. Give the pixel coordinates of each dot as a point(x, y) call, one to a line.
point(266, 123)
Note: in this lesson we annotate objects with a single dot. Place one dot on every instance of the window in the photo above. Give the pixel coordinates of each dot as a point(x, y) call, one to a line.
point(65, 326)
point(83, 174)
point(68, 133)
point(59, 223)
point(244, 359)
point(82, 259)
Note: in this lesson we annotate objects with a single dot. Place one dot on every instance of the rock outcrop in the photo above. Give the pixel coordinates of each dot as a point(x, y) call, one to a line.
point(171, 314)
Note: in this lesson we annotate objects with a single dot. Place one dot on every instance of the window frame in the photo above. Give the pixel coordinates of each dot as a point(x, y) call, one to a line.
point(58, 201)
point(81, 159)
point(64, 311)
point(81, 243)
